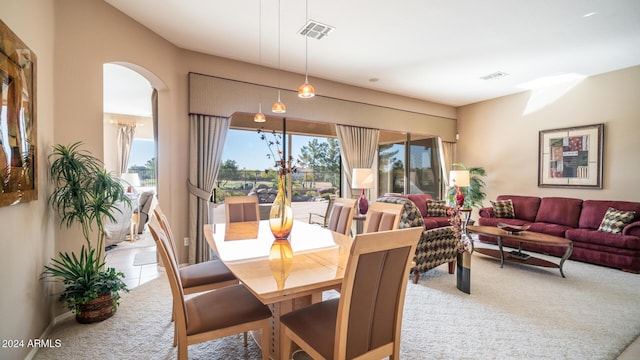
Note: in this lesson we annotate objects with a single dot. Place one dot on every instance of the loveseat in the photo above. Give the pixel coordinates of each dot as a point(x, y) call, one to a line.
point(580, 221)
point(435, 247)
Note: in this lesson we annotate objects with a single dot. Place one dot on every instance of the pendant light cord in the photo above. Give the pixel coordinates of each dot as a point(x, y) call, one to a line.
point(306, 41)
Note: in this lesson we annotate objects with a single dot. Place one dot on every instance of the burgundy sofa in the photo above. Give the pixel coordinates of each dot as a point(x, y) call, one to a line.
point(430, 222)
point(577, 220)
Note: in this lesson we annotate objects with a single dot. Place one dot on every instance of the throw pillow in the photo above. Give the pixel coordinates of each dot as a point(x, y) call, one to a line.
point(436, 208)
point(503, 208)
point(615, 220)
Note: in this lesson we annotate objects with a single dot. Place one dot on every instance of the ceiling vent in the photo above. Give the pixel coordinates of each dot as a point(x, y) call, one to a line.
point(494, 76)
point(315, 30)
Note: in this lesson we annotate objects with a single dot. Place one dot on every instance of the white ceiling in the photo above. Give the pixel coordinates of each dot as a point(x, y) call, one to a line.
point(434, 50)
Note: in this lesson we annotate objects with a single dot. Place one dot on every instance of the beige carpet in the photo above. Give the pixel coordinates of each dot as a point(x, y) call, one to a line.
point(518, 312)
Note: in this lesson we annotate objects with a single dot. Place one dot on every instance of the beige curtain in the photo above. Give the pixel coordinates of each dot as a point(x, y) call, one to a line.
point(358, 149)
point(447, 153)
point(126, 131)
point(207, 137)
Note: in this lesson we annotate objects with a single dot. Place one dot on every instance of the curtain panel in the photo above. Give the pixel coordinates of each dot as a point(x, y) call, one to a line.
point(447, 151)
point(207, 136)
point(124, 142)
point(358, 149)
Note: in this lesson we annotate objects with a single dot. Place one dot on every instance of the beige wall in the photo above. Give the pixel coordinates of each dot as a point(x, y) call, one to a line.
point(26, 235)
point(501, 135)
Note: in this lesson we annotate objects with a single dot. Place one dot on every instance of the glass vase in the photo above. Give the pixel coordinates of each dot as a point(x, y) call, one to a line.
point(281, 214)
point(463, 272)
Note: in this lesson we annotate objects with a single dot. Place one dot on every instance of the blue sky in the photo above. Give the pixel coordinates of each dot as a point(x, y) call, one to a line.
point(245, 147)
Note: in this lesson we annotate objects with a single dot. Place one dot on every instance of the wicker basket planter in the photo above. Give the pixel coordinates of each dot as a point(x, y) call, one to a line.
point(96, 310)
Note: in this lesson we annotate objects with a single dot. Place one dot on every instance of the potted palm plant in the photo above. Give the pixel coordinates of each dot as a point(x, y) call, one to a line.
point(474, 194)
point(85, 194)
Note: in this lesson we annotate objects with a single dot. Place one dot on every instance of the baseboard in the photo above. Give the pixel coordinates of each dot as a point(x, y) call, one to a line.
point(45, 335)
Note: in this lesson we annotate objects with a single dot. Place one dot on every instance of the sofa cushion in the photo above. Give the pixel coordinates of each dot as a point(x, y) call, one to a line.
point(615, 220)
point(593, 211)
point(524, 207)
point(436, 208)
point(599, 238)
point(559, 210)
point(420, 201)
point(503, 208)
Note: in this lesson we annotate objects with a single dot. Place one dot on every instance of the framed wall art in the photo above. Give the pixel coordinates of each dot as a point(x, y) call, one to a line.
point(18, 173)
point(571, 157)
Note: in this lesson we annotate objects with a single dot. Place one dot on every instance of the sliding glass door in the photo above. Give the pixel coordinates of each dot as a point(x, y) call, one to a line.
point(409, 166)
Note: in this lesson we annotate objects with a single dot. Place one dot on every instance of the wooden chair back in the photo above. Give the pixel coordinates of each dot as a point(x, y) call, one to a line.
point(341, 215)
point(382, 216)
point(325, 217)
point(375, 283)
point(241, 208)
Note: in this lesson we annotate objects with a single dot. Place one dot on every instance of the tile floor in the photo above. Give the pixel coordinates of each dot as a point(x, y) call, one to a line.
point(123, 258)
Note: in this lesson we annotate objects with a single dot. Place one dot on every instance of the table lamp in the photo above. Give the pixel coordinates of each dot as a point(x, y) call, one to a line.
point(131, 179)
point(362, 179)
point(459, 178)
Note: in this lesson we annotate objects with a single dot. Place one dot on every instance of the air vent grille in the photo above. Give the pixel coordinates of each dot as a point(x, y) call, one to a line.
point(316, 30)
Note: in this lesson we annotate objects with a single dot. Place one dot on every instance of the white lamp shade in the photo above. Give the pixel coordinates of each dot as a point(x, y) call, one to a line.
point(362, 179)
point(132, 179)
point(459, 178)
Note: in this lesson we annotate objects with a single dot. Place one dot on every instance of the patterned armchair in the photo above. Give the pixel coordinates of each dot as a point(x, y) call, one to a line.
point(435, 247)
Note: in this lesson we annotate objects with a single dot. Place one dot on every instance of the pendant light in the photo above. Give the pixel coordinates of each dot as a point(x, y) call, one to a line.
point(306, 91)
point(278, 106)
point(259, 116)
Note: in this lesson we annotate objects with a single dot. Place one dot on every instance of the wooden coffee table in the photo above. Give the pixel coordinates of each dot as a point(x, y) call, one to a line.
point(522, 237)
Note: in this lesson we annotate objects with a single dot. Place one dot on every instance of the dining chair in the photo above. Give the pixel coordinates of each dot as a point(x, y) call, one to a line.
point(324, 222)
point(365, 321)
point(211, 315)
point(382, 216)
point(195, 278)
point(341, 215)
point(241, 208)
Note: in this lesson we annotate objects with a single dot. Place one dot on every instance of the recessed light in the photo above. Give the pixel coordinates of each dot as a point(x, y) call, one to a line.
point(495, 75)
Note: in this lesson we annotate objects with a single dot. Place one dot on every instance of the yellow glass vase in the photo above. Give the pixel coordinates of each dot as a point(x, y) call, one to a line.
point(281, 214)
point(280, 261)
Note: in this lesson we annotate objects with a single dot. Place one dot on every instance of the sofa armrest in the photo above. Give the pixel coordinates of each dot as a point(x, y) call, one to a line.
point(486, 212)
point(632, 229)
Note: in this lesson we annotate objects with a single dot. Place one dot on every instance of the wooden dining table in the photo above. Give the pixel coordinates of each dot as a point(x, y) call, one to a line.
point(284, 275)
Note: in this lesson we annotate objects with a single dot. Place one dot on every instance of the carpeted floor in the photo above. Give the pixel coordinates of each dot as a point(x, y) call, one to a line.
point(518, 312)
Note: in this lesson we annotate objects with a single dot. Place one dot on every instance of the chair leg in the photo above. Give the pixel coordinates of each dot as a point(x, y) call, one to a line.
point(244, 335)
point(416, 276)
point(452, 267)
point(285, 345)
point(266, 349)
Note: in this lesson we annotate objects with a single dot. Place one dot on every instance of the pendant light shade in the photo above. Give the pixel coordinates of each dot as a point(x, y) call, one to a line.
point(259, 116)
point(306, 91)
point(278, 106)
